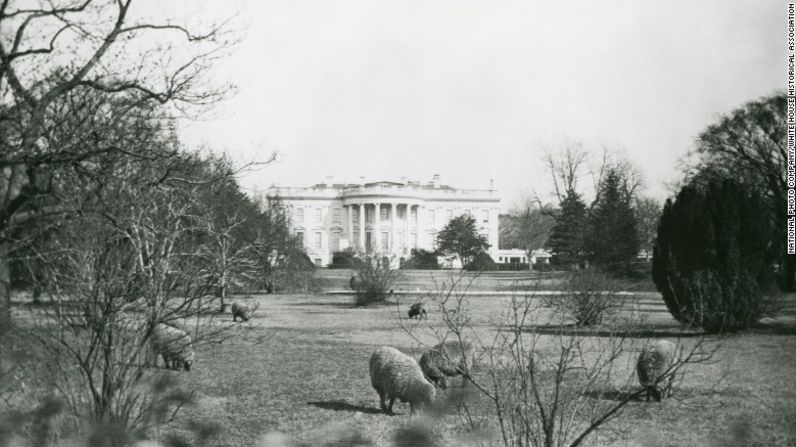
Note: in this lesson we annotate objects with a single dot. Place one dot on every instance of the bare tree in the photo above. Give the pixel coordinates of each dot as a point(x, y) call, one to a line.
point(565, 164)
point(60, 60)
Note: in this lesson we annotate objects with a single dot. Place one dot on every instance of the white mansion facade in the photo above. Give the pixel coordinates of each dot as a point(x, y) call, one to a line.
point(388, 218)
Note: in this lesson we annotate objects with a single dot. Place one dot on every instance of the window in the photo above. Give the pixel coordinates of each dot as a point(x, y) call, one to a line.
point(300, 215)
point(318, 262)
point(414, 215)
point(450, 215)
point(318, 240)
point(431, 215)
point(500, 259)
point(400, 241)
point(402, 213)
point(369, 215)
point(355, 216)
point(336, 216)
point(318, 215)
point(300, 237)
point(485, 215)
point(385, 241)
point(336, 240)
point(385, 213)
point(413, 240)
point(468, 212)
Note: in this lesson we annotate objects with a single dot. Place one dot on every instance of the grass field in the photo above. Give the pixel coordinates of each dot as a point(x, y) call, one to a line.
point(312, 371)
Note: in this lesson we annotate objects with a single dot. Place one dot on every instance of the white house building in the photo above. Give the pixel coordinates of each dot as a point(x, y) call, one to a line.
point(385, 217)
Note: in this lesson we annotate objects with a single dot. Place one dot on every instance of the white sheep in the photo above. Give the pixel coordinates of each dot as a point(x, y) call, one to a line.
point(446, 359)
point(174, 345)
point(654, 369)
point(395, 375)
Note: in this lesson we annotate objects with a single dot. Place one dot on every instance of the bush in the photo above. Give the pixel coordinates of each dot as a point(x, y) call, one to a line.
point(342, 260)
point(374, 280)
point(422, 260)
point(543, 267)
point(711, 262)
point(589, 296)
point(481, 262)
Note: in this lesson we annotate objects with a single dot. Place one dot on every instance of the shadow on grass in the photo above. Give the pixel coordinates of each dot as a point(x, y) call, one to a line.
point(646, 332)
point(775, 328)
point(339, 405)
point(615, 395)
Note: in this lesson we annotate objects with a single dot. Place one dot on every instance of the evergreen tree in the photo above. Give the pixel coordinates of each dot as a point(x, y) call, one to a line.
point(567, 240)
point(612, 241)
point(460, 237)
point(711, 261)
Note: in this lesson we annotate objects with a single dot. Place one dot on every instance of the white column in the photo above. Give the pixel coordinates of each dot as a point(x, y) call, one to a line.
point(377, 227)
point(420, 235)
point(393, 225)
point(362, 226)
point(406, 227)
point(351, 225)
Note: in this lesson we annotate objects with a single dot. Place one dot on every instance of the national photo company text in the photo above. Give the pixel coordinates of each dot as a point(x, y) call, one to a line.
point(791, 166)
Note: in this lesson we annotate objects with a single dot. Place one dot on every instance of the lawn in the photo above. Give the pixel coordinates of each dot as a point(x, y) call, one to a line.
point(309, 378)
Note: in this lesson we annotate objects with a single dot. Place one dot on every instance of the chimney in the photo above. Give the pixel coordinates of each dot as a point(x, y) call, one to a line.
point(403, 180)
point(362, 180)
point(328, 181)
point(491, 184)
point(435, 181)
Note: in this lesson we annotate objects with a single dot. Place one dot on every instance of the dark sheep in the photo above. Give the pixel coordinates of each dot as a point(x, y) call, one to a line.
point(654, 369)
point(447, 359)
point(418, 310)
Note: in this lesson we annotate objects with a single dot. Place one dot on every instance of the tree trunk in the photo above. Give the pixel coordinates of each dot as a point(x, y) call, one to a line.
point(788, 272)
point(5, 291)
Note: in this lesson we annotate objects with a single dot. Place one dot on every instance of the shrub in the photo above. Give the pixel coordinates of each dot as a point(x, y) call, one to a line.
point(543, 267)
point(711, 262)
point(589, 296)
point(342, 260)
point(422, 260)
point(481, 262)
point(374, 280)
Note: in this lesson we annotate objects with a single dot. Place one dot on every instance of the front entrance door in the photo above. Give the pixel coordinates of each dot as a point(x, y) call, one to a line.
point(368, 242)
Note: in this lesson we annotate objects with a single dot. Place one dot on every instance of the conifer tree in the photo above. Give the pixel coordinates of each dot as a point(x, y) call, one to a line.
point(612, 240)
point(711, 261)
point(567, 240)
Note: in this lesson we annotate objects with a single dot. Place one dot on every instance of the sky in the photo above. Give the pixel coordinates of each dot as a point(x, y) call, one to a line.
point(475, 90)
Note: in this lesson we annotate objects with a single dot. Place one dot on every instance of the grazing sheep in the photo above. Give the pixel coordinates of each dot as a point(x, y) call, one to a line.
point(447, 359)
point(174, 345)
point(395, 375)
point(353, 283)
point(242, 311)
point(653, 368)
point(418, 310)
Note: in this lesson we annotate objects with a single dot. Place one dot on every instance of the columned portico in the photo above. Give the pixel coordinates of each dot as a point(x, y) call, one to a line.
point(316, 211)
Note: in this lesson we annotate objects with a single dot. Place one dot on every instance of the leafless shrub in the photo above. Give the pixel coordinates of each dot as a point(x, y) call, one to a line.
point(374, 279)
point(589, 297)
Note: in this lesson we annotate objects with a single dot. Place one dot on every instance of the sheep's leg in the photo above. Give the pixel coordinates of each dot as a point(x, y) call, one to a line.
point(392, 401)
point(382, 400)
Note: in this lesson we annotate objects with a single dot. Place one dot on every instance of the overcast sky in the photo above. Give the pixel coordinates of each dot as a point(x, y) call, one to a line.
point(472, 90)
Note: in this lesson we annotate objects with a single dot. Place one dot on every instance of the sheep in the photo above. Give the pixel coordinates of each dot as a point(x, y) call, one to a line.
point(654, 369)
point(354, 283)
point(447, 359)
point(395, 375)
point(242, 311)
point(174, 345)
point(418, 310)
